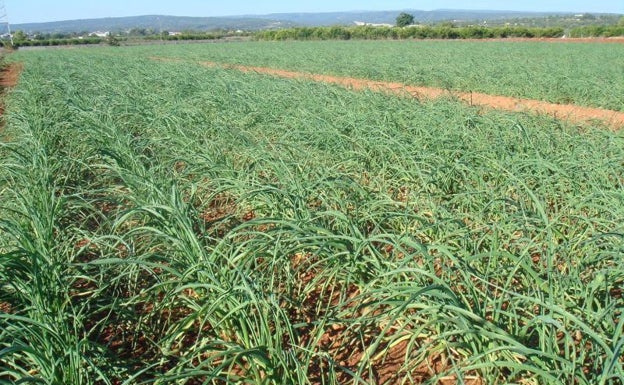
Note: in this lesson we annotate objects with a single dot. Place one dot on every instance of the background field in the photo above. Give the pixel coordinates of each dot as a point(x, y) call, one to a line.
point(171, 223)
point(580, 73)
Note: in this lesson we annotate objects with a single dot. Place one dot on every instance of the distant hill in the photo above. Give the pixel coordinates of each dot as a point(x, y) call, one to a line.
point(272, 21)
point(156, 22)
point(389, 17)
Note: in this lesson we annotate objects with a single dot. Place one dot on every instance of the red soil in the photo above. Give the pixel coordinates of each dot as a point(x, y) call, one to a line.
point(9, 75)
point(569, 112)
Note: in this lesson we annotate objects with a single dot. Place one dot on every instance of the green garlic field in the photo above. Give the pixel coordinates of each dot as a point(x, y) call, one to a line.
point(169, 223)
point(586, 74)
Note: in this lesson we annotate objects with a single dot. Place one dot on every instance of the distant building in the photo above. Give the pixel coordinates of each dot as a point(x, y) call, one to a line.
point(100, 34)
point(175, 33)
point(362, 23)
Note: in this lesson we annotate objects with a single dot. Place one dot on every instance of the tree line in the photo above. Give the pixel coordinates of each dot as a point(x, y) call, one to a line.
point(58, 42)
point(21, 39)
point(598, 31)
point(442, 31)
point(404, 29)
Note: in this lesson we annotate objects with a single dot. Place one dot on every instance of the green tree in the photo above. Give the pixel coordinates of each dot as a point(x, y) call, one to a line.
point(112, 40)
point(404, 19)
point(621, 21)
point(19, 36)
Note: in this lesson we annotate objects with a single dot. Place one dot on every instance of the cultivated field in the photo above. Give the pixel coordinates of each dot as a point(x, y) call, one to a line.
point(165, 222)
point(588, 74)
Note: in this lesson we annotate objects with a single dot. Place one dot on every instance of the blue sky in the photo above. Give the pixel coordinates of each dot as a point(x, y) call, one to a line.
point(22, 11)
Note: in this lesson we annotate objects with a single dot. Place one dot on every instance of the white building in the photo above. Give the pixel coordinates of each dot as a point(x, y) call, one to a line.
point(100, 34)
point(362, 23)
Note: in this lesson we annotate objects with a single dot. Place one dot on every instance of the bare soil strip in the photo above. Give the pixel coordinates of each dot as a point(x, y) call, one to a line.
point(569, 112)
point(9, 76)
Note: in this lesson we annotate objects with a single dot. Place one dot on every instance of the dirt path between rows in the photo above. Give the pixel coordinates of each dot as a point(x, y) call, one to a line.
point(568, 112)
point(9, 76)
